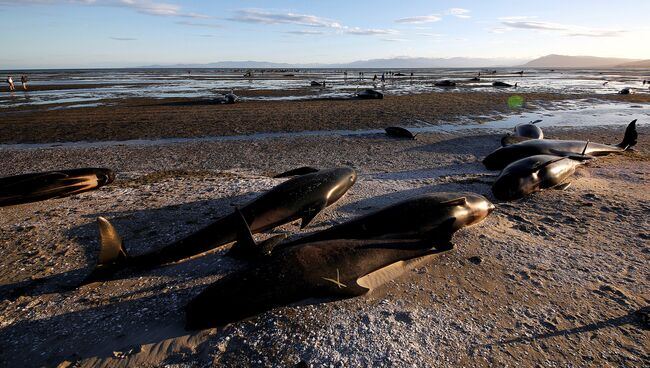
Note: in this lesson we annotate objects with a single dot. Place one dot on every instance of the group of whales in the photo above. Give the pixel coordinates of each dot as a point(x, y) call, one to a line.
point(345, 260)
point(530, 163)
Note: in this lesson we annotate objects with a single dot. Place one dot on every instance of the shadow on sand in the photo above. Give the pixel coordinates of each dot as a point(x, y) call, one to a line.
point(638, 318)
point(141, 230)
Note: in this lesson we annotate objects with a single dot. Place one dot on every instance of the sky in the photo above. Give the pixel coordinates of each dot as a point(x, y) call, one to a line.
point(125, 33)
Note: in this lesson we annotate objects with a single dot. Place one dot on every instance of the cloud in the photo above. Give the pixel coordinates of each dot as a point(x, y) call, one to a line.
point(564, 29)
point(368, 31)
point(459, 13)
point(394, 39)
point(149, 7)
point(123, 39)
point(430, 34)
point(420, 19)
point(266, 17)
point(195, 24)
point(273, 18)
point(303, 32)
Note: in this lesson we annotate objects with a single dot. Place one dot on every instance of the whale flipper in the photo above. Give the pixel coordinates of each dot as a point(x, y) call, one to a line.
point(308, 215)
point(392, 271)
point(111, 246)
point(562, 186)
point(246, 247)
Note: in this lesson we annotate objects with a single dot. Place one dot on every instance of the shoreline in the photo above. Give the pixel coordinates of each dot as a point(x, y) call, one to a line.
point(145, 118)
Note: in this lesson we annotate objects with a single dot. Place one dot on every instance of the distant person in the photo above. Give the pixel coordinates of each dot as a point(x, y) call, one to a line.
point(23, 81)
point(374, 79)
point(10, 82)
point(383, 78)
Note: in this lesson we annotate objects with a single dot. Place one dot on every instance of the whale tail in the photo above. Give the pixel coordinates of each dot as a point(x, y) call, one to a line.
point(111, 246)
point(112, 254)
point(631, 135)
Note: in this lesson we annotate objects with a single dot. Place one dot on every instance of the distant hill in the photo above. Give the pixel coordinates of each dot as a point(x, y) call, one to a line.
point(393, 63)
point(228, 65)
point(565, 61)
point(636, 64)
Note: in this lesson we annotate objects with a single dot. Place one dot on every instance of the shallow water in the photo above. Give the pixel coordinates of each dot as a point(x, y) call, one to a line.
point(576, 113)
point(206, 83)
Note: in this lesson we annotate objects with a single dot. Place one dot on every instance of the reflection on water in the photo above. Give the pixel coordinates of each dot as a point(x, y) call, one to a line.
point(206, 83)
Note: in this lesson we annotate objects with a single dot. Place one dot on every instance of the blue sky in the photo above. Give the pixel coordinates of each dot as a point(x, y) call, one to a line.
point(111, 33)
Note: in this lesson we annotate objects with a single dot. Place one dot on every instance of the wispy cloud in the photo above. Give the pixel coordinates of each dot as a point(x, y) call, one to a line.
point(149, 7)
point(564, 29)
point(420, 19)
point(273, 18)
point(123, 38)
point(305, 32)
point(459, 13)
point(368, 31)
point(195, 24)
point(267, 17)
point(430, 35)
point(394, 39)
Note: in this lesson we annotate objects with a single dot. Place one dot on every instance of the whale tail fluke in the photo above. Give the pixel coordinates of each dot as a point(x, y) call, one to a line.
point(631, 135)
point(112, 254)
point(111, 246)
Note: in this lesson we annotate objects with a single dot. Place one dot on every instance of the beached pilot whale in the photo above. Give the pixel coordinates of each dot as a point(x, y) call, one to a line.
point(370, 94)
point(503, 84)
point(51, 184)
point(529, 130)
point(626, 91)
point(523, 132)
point(429, 216)
point(445, 83)
point(535, 173)
point(399, 132)
point(302, 198)
point(503, 156)
point(340, 268)
point(295, 172)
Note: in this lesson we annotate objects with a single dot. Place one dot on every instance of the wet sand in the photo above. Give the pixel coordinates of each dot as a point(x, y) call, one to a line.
point(557, 279)
point(160, 118)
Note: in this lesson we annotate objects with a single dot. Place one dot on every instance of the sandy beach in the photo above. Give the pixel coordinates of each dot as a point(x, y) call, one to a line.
point(557, 279)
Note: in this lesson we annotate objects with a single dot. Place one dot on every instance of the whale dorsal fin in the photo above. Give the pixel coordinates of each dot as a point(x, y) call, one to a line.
point(584, 150)
point(461, 201)
point(111, 246)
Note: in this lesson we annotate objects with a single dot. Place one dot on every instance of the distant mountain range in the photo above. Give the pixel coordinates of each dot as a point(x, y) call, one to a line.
point(393, 63)
point(565, 61)
point(549, 61)
point(637, 64)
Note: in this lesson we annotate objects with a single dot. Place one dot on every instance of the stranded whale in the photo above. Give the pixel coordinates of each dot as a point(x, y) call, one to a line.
point(51, 184)
point(535, 173)
point(503, 156)
point(302, 197)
